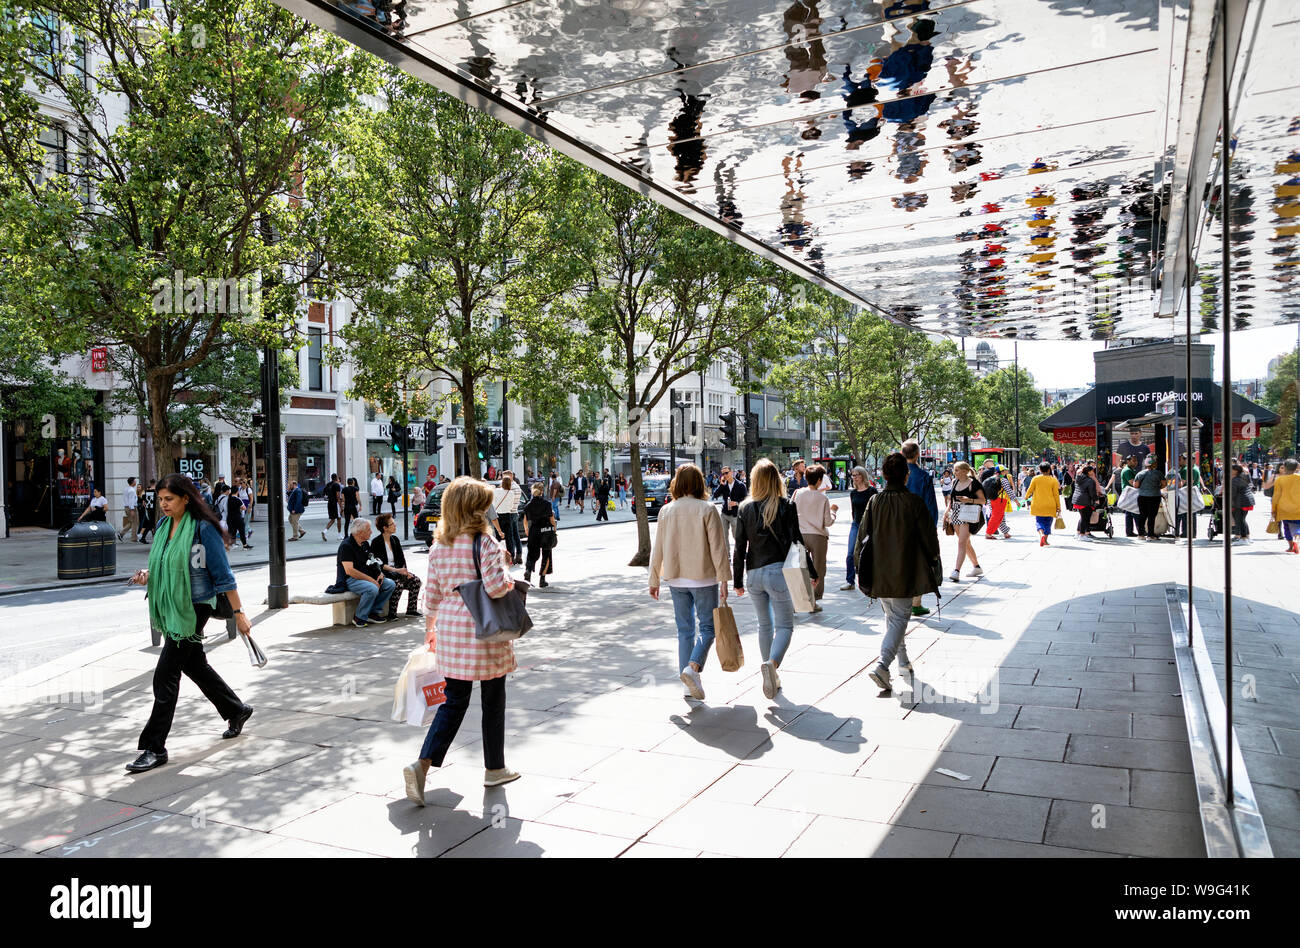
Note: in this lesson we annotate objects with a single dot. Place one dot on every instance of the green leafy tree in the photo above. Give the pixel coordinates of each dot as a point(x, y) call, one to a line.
point(1280, 395)
point(917, 383)
point(235, 111)
point(662, 299)
point(995, 411)
point(469, 234)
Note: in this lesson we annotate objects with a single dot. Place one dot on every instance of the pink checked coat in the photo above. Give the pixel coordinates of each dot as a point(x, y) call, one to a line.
point(449, 626)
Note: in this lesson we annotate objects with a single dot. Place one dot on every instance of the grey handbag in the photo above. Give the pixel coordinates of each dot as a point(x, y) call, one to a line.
point(495, 620)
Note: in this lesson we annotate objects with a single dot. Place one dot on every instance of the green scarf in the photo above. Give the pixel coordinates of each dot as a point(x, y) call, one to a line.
point(170, 609)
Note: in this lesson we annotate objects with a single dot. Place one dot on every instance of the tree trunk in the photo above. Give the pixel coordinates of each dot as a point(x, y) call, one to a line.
point(164, 445)
point(642, 557)
point(471, 422)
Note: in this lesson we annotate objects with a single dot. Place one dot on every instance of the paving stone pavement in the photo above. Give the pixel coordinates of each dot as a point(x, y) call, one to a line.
point(1046, 690)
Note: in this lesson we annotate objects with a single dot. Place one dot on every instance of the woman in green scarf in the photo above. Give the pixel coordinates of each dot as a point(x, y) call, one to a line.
point(187, 571)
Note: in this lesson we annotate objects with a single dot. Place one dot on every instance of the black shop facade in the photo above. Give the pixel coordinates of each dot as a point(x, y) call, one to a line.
point(1138, 406)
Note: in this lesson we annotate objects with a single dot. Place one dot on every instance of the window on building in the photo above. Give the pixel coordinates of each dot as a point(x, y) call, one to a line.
point(54, 140)
point(776, 412)
point(793, 422)
point(370, 411)
point(84, 168)
point(315, 364)
point(81, 61)
point(49, 42)
point(714, 414)
point(757, 406)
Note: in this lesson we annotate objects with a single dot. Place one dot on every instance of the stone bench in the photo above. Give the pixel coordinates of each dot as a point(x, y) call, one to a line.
point(344, 603)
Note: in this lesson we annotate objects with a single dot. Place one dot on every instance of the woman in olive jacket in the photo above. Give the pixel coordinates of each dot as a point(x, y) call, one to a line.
point(898, 558)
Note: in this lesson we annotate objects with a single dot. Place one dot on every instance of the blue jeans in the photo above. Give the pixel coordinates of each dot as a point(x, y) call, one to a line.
point(371, 597)
point(850, 568)
point(775, 611)
point(555, 508)
point(688, 603)
point(510, 527)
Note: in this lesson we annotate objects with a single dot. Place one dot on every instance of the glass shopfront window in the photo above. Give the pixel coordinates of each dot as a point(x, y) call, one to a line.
point(48, 480)
point(305, 463)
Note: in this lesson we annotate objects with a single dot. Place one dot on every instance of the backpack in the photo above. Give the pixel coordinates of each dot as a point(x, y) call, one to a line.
point(992, 486)
point(306, 497)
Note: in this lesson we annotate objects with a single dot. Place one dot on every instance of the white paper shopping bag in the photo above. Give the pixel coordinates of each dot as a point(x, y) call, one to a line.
point(425, 690)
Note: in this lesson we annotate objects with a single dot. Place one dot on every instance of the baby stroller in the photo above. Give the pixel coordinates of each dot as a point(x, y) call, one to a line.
point(1100, 522)
point(1216, 517)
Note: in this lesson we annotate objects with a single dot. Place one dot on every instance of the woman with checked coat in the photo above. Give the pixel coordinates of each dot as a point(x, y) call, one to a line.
point(449, 630)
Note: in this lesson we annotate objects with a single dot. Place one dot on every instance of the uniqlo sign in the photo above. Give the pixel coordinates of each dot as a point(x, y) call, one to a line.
point(99, 359)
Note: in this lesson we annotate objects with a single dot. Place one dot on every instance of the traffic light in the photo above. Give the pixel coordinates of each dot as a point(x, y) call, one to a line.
point(729, 439)
point(481, 438)
point(751, 429)
point(496, 450)
point(259, 420)
point(400, 435)
point(432, 436)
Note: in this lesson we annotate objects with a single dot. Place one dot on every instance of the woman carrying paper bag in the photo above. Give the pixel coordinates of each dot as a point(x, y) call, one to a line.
point(690, 558)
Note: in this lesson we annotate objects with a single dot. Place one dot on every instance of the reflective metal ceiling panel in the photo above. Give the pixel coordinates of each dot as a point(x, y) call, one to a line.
point(978, 166)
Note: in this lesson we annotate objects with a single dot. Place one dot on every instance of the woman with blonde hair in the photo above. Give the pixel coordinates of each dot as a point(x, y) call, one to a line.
point(967, 494)
point(449, 631)
point(766, 525)
point(690, 557)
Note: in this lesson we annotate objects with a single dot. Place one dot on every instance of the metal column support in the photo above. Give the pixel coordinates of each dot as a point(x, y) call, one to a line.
point(1225, 208)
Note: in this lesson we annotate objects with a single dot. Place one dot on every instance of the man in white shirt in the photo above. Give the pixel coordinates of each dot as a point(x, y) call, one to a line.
point(376, 495)
point(130, 511)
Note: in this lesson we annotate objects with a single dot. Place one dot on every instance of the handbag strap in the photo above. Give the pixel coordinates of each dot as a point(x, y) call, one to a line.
point(478, 563)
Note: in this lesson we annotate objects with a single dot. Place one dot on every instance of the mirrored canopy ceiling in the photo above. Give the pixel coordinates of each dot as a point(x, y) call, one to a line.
point(973, 167)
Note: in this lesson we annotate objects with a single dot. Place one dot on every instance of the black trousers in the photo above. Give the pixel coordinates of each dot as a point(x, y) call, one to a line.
point(1239, 522)
point(1148, 507)
point(376, 505)
point(535, 552)
point(412, 585)
point(1130, 524)
point(188, 658)
point(492, 693)
point(602, 509)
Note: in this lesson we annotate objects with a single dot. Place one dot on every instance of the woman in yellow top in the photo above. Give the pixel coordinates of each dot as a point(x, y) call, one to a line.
point(1044, 495)
point(1286, 503)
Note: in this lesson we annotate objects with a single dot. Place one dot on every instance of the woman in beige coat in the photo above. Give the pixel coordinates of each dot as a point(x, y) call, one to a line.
point(691, 558)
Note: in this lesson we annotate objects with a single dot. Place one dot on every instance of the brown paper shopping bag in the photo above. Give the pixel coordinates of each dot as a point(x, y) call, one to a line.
point(727, 639)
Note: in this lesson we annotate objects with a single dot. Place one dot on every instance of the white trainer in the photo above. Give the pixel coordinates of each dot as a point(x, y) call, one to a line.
point(413, 777)
point(954, 577)
point(977, 571)
point(769, 680)
point(691, 679)
point(495, 778)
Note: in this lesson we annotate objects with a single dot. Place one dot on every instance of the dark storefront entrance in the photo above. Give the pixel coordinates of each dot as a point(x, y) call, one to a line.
point(50, 467)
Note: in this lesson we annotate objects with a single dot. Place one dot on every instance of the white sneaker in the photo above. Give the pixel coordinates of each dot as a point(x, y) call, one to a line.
point(691, 679)
point(846, 587)
point(769, 680)
point(954, 577)
point(977, 571)
point(880, 675)
point(495, 778)
point(413, 776)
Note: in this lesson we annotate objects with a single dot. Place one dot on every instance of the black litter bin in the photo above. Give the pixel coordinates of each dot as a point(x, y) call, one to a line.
point(87, 550)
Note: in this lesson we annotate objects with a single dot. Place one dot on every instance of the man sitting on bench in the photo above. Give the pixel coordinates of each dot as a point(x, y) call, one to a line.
point(360, 572)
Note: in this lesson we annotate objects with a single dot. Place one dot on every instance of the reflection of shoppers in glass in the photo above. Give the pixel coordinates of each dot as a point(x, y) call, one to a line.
point(1149, 484)
point(1243, 502)
point(1286, 502)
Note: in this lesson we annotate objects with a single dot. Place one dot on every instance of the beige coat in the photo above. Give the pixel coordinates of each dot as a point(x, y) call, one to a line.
point(690, 543)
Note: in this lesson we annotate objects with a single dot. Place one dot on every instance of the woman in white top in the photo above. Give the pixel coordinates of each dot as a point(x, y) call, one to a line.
point(97, 509)
point(506, 506)
point(691, 558)
point(816, 514)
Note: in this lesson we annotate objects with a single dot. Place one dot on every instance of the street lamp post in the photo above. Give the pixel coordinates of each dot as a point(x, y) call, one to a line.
point(1016, 350)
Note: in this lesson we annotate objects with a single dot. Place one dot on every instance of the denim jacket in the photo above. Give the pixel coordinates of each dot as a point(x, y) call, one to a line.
point(209, 572)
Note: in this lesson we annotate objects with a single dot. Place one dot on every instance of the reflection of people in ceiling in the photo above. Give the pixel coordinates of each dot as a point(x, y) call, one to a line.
point(856, 95)
point(684, 129)
point(724, 187)
point(796, 232)
point(905, 66)
point(805, 51)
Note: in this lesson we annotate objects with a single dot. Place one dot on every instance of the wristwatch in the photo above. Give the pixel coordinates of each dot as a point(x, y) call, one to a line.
point(239, 612)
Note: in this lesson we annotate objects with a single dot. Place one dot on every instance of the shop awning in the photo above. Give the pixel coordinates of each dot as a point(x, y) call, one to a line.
point(1082, 412)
